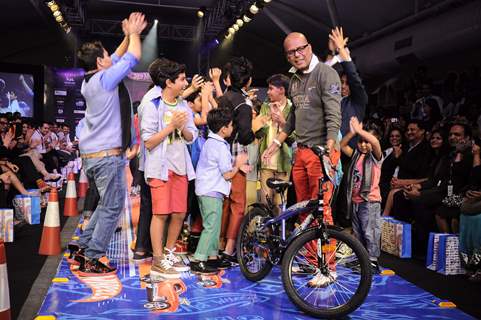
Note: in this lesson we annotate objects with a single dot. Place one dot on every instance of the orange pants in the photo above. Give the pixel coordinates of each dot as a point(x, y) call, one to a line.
point(234, 207)
point(305, 175)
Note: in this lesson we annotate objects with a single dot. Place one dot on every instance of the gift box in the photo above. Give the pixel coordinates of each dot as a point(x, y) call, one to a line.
point(28, 207)
point(433, 248)
point(396, 237)
point(6, 225)
point(449, 260)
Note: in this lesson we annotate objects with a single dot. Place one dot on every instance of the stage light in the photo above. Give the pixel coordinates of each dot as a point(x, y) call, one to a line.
point(57, 13)
point(156, 21)
point(54, 7)
point(59, 18)
point(246, 19)
point(228, 36)
point(216, 41)
point(231, 30)
point(239, 22)
point(201, 12)
point(254, 9)
point(266, 1)
point(236, 27)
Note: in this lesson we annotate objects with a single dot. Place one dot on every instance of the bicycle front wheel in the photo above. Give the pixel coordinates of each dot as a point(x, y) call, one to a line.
point(253, 246)
point(326, 280)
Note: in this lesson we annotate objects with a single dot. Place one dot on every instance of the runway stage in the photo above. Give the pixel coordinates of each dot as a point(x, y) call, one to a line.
point(226, 296)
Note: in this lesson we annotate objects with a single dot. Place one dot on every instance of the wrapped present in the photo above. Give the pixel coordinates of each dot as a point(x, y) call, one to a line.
point(34, 217)
point(433, 247)
point(396, 237)
point(27, 208)
point(449, 260)
point(6, 225)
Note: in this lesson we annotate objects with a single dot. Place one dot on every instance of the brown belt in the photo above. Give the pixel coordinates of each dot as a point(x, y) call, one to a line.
point(102, 154)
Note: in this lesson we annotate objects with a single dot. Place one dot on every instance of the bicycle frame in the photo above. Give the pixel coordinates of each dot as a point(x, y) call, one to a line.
point(316, 206)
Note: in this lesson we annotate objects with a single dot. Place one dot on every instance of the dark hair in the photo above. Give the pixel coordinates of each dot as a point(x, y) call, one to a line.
point(224, 103)
point(374, 129)
point(466, 127)
point(191, 97)
point(218, 118)
point(421, 125)
point(240, 71)
point(88, 54)
point(65, 125)
point(163, 69)
point(279, 81)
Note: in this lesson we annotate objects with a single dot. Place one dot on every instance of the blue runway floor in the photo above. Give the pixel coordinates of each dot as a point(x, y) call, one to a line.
point(225, 296)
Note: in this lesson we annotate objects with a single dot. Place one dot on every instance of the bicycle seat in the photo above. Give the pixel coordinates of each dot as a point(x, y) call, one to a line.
point(278, 185)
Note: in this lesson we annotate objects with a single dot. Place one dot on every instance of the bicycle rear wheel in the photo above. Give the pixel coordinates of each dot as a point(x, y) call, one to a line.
point(252, 246)
point(331, 289)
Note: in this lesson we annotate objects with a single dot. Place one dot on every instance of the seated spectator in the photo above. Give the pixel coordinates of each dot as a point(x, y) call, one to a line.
point(447, 214)
point(413, 164)
point(390, 166)
point(421, 201)
point(470, 221)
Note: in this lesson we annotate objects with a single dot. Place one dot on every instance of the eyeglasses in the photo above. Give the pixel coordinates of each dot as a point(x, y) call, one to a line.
point(299, 50)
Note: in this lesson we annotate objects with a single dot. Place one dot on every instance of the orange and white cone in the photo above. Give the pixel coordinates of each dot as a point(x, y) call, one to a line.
point(70, 205)
point(4, 294)
point(50, 242)
point(83, 185)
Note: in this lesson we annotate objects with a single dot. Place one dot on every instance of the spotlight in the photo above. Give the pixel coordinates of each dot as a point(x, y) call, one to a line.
point(54, 7)
point(239, 22)
point(231, 30)
point(246, 19)
point(228, 36)
point(216, 41)
point(156, 21)
point(254, 9)
point(50, 3)
point(59, 18)
point(236, 27)
point(57, 14)
point(266, 1)
point(201, 12)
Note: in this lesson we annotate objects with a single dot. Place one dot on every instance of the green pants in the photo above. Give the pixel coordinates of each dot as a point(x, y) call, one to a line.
point(211, 211)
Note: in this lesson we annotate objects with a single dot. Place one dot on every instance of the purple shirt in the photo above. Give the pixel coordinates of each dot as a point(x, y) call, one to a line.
point(102, 125)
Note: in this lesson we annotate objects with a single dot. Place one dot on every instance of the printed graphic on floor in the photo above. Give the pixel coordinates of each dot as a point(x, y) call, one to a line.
point(225, 296)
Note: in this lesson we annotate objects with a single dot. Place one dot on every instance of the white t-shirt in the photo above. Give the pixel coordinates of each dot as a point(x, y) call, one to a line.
point(37, 136)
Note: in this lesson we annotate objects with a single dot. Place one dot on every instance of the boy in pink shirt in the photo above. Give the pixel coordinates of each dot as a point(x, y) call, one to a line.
point(363, 192)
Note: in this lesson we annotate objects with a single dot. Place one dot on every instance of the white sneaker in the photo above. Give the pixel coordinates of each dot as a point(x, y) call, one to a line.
point(177, 262)
point(322, 281)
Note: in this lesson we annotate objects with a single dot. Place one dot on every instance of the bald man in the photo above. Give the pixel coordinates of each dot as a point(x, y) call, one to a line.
point(315, 90)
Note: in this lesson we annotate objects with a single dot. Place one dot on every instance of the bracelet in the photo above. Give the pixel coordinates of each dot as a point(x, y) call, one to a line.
point(277, 142)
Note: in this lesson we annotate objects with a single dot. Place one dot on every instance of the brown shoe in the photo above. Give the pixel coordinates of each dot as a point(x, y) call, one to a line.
point(163, 268)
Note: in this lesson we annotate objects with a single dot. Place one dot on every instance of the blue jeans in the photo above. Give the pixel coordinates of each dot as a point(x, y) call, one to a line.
point(366, 224)
point(109, 176)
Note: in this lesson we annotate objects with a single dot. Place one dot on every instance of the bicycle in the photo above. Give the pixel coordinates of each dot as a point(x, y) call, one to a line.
point(317, 260)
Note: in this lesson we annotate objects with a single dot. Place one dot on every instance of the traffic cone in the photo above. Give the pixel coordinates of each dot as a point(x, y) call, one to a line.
point(4, 294)
point(50, 243)
point(70, 205)
point(83, 185)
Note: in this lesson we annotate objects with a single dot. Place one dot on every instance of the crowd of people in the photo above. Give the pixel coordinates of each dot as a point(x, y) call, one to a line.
point(199, 151)
point(32, 157)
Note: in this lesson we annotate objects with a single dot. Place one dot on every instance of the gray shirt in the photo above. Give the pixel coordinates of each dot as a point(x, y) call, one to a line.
point(316, 112)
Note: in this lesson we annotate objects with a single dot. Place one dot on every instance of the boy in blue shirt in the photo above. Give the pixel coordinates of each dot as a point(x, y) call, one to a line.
point(213, 175)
